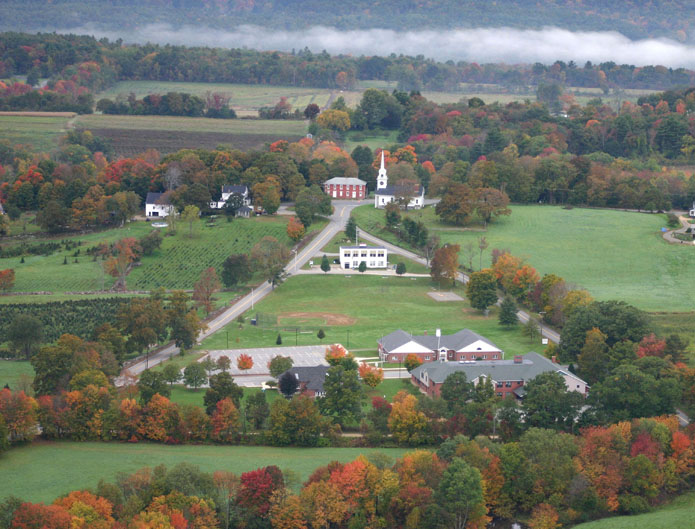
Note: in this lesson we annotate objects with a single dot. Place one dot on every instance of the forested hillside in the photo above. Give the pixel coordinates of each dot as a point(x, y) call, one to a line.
point(634, 18)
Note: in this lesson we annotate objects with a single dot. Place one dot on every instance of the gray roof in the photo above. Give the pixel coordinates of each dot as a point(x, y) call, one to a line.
point(242, 190)
point(340, 180)
point(312, 377)
point(532, 365)
point(363, 248)
point(244, 209)
point(395, 190)
point(454, 342)
point(156, 198)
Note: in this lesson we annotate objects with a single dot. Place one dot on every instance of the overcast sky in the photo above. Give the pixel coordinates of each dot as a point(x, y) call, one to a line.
point(479, 45)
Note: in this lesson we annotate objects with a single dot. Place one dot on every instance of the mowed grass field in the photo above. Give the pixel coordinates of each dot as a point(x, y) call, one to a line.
point(40, 132)
point(363, 307)
point(176, 265)
point(677, 514)
point(613, 254)
point(42, 471)
point(12, 372)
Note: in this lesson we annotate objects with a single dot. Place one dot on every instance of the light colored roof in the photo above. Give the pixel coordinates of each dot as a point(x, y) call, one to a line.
point(532, 365)
point(362, 248)
point(454, 342)
point(339, 180)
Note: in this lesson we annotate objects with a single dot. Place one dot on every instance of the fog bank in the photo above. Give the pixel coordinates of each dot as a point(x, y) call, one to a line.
point(482, 45)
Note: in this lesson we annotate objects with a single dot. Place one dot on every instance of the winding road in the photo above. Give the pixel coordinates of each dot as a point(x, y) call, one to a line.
point(336, 224)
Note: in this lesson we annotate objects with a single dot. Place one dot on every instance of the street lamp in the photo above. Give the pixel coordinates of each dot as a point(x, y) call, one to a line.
point(541, 314)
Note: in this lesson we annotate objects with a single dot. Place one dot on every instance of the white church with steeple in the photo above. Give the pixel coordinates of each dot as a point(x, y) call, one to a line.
point(386, 193)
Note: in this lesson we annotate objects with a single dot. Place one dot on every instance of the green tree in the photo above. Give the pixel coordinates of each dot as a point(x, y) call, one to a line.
point(194, 375)
point(343, 394)
point(351, 229)
point(325, 264)
point(460, 493)
point(269, 258)
point(310, 202)
point(236, 269)
point(455, 391)
point(25, 333)
point(279, 364)
point(257, 409)
point(295, 422)
point(190, 214)
point(482, 289)
point(548, 403)
point(171, 373)
point(288, 384)
point(184, 322)
point(222, 386)
point(508, 310)
point(151, 383)
point(52, 365)
point(400, 269)
point(320, 335)
point(363, 267)
point(392, 214)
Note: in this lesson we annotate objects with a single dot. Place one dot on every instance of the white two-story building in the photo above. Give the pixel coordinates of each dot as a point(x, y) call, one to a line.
point(373, 256)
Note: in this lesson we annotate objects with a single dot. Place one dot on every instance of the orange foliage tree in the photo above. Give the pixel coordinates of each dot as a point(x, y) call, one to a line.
point(244, 362)
point(225, 421)
point(412, 361)
point(126, 251)
point(205, 288)
point(335, 354)
point(372, 376)
point(295, 229)
point(6, 280)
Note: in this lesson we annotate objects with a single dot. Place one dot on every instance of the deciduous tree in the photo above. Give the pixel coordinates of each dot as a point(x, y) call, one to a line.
point(482, 289)
point(279, 364)
point(194, 375)
point(236, 269)
point(244, 362)
point(444, 265)
point(205, 288)
point(126, 251)
point(269, 258)
point(6, 276)
point(372, 376)
point(295, 229)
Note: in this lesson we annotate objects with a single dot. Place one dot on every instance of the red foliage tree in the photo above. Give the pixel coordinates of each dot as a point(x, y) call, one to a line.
point(6, 280)
point(40, 516)
point(244, 362)
point(650, 345)
point(257, 488)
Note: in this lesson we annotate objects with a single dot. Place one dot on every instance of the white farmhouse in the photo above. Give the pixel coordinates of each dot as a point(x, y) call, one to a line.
point(386, 193)
point(373, 256)
point(228, 191)
point(158, 205)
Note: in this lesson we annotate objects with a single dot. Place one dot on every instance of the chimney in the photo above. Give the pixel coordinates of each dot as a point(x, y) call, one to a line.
point(518, 359)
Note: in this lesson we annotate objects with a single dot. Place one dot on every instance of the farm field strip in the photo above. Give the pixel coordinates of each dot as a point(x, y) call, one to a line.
point(41, 132)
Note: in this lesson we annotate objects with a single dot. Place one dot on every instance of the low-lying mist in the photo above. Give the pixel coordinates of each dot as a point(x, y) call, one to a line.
point(482, 45)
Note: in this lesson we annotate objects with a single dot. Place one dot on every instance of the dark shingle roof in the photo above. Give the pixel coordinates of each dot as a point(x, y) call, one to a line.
point(395, 190)
point(156, 198)
point(242, 190)
point(455, 342)
point(312, 377)
point(532, 365)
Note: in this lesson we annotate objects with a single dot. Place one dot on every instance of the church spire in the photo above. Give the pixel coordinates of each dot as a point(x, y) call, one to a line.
point(382, 178)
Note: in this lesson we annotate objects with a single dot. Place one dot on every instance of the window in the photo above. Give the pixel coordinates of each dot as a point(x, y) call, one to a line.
point(364, 253)
point(508, 384)
point(494, 357)
point(484, 357)
point(499, 394)
point(394, 358)
point(427, 357)
point(499, 384)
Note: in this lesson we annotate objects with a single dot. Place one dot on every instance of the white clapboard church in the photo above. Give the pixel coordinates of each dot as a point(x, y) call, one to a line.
point(386, 193)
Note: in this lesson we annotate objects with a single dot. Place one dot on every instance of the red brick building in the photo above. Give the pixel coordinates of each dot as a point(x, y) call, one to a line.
point(507, 376)
point(461, 346)
point(346, 188)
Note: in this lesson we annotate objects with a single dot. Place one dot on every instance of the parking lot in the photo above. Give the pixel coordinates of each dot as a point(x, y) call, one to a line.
point(309, 355)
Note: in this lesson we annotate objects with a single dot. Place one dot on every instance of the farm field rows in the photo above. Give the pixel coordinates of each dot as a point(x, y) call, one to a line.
point(346, 306)
point(177, 264)
point(613, 254)
point(45, 470)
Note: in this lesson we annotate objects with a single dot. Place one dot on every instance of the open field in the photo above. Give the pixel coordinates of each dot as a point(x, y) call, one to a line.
point(42, 471)
point(679, 513)
point(41, 132)
point(613, 254)
point(402, 303)
point(11, 372)
point(177, 264)
point(244, 97)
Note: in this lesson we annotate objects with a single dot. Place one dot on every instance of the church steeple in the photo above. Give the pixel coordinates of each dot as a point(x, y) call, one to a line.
point(382, 178)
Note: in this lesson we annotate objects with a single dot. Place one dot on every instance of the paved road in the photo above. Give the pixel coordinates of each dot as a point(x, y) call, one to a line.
point(340, 216)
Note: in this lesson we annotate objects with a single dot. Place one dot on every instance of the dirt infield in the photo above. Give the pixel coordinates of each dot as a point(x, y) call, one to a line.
point(329, 317)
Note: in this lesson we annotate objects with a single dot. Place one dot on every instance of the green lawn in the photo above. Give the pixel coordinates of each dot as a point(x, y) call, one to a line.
point(177, 264)
point(350, 302)
point(41, 132)
point(42, 471)
point(677, 514)
point(14, 372)
point(613, 254)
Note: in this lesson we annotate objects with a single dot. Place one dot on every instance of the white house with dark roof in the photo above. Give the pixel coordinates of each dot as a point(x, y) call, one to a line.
point(507, 376)
point(386, 193)
point(228, 191)
point(462, 346)
point(347, 188)
point(158, 205)
point(373, 256)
